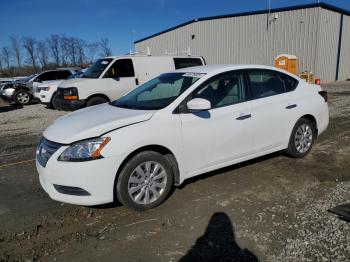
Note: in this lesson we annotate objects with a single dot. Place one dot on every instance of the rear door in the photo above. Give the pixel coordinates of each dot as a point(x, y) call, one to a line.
point(120, 78)
point(273, 109)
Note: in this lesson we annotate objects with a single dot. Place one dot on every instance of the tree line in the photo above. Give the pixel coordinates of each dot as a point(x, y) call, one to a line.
point(27, 55)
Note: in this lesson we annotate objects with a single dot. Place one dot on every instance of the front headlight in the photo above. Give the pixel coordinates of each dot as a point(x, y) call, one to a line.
point(44, 88)
point(84, 150)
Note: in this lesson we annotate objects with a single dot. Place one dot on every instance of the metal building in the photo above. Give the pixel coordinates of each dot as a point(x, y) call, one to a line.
point(318, 34)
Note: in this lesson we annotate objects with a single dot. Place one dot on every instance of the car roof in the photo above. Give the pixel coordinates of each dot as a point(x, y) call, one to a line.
point(150, 56)
point(215, 69)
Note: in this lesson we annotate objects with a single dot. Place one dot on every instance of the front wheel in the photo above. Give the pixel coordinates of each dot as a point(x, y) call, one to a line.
point(23, 97)
point(96, 101)
point(145, 181)
point(301, 139)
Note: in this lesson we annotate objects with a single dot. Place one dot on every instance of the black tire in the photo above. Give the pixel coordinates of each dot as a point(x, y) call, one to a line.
point(292, 149)
point(53, 103)
point(23, 97)
point(96, 101)
point(122, 185)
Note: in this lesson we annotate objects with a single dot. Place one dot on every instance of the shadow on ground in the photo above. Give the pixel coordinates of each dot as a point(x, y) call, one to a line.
point(218, 243)
point(8, 108)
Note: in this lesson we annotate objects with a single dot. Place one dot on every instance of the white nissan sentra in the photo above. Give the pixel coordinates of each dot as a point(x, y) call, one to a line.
point(176, 126)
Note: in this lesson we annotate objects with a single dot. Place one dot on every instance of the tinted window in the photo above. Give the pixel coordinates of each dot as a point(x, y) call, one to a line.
point(223, 90)
point(47, 76)
point(121, 68)
point(265, 83)
point(290, 83)
point(187, 62)
point(64, 74)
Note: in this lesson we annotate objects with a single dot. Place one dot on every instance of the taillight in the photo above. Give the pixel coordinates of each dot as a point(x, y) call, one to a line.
point(324, 94)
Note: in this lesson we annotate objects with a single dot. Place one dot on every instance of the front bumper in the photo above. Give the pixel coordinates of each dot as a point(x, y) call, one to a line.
point(43, 97)
point(95, 177)
point(69, 105)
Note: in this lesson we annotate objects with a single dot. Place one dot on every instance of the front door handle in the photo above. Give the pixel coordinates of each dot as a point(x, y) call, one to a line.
point(291, 106)
point(244, 117)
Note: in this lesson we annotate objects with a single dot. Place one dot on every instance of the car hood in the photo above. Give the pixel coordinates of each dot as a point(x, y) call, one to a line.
point(50, 83)
point(76, 81)
point(92, 122)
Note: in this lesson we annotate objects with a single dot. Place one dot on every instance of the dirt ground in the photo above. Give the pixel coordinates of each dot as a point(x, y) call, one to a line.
point(270, 209)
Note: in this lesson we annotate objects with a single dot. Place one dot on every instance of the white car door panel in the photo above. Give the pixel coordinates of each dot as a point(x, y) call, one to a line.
point(220, 135)
point(274, 110)
point(223, 133)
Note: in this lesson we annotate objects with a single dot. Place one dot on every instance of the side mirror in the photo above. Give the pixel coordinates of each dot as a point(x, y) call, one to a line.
point(198, 104)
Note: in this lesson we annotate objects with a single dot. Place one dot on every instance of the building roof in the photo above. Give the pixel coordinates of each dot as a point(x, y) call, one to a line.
point(258, 12)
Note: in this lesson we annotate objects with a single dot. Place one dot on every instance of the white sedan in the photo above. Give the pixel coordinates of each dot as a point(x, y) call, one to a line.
point(176, 126)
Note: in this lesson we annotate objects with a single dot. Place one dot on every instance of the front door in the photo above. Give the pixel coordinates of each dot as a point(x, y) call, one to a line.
point(121, 78)
point(222, 134)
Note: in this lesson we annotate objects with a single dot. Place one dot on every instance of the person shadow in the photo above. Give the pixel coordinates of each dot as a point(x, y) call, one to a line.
point(218, 243)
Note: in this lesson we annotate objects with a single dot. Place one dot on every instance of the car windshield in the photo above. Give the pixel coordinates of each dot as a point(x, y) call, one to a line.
point(97, 68)
point(75, 75)
point(27, 78)
point(158, 92)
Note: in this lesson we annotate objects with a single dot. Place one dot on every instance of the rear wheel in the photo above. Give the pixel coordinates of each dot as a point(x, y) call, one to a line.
point(96, 101)
point(145, 181)
point(301, 139)
point(23, 97)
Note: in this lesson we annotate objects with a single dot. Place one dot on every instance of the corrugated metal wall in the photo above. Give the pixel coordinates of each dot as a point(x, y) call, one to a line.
point(258, 39)
point(344, 68)
point(327, 45)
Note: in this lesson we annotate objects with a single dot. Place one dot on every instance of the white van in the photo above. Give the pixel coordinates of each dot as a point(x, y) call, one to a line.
point(112, 77)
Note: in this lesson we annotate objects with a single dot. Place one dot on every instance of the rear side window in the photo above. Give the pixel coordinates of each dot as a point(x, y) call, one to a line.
point(265, 83)
point(121, 68)
point(290, 83)
point(47, 76)
point(64, 74)
point(187, 62)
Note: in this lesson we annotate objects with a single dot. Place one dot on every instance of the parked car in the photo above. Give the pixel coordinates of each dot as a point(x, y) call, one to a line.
point(47, 93)
point(112, 77)
point(176, 126)
point(25, 88)
point(6, 90)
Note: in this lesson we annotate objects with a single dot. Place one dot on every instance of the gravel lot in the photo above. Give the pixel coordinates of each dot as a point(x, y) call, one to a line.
point(272, 209)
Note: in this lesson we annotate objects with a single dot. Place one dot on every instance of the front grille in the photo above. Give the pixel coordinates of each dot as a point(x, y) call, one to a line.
point(45, 150)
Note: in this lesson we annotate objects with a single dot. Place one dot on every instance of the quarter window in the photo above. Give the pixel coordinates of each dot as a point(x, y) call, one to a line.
point(265, 83)
point(226, 89)
point(187, 62)
point(121, 68)
point(289, 82)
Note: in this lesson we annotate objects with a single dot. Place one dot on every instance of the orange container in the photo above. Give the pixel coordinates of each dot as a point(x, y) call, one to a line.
point(287, 62)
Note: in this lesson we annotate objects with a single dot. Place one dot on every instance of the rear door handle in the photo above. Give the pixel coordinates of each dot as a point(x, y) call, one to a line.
point(244, 117)
point(137, 81)
point(291, 106)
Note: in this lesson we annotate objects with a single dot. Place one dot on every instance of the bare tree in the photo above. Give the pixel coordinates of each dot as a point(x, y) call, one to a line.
point(29, 44)
point(64, 50)
point(6, 56)
point(80, 45)
point(1, 62)
point(92, 50)
point(54, 45)
point(16, 49)
point(43, 53)
point(104, 44)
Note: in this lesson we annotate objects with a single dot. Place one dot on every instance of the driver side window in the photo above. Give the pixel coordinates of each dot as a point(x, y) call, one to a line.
point(223, 90)
point(121, 68)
